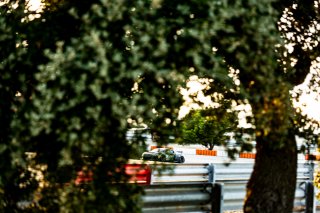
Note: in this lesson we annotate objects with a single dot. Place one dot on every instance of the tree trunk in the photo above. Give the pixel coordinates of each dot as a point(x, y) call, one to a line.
point(272, 184)
point(210, 146)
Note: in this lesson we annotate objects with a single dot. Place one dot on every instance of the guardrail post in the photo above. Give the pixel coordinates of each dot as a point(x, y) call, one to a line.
point(211, 173)
point(310, 201)
point(217, 198)
point(309, 188)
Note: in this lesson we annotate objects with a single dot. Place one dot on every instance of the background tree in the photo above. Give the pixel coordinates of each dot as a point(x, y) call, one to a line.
point(75, 78)
point(210, 127)
point(200, 128)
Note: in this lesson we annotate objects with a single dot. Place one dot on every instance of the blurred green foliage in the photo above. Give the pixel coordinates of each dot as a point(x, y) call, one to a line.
point(76, 75)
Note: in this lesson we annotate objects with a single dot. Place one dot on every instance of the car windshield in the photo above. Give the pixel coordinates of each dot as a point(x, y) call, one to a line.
point(159, 150)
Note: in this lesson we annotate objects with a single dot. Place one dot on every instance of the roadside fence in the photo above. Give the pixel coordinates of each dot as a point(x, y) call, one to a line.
point(233, 179)
point(185, 197)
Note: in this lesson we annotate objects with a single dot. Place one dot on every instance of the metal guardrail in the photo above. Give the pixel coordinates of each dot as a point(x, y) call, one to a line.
point(200, 197)
point(183, 173)
point(233, 177)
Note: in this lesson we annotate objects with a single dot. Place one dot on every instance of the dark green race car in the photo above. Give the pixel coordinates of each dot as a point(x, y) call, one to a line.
point(163, 155)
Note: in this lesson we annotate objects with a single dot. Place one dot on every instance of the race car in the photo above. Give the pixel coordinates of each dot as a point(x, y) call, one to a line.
point(164, 155)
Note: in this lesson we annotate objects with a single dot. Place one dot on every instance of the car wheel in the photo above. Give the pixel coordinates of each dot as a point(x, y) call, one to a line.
point(182, 159)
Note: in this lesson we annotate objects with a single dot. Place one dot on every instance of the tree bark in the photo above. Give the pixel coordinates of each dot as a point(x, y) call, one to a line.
point(272, 184)
point(271, 187)
point(210, 145)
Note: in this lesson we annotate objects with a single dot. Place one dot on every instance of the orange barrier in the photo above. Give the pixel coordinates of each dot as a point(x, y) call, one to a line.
point(206, 152)
point(312, 157)
point(247, 155)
